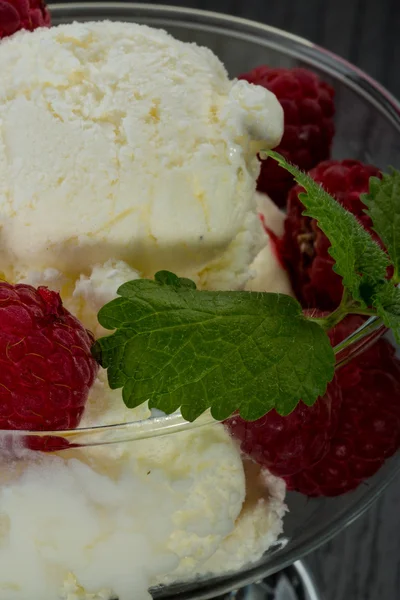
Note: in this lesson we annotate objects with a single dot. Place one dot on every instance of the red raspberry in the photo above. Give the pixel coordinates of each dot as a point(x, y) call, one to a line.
point(287, 445)
point(304, 248)
point(308, 106)
point(46, 368)
point(368, 430)
point(345, 437)
point(22, 14)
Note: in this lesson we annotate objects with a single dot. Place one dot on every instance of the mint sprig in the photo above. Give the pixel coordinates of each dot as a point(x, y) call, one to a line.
point(179, 347)
point(383, 202)
point(359, 260)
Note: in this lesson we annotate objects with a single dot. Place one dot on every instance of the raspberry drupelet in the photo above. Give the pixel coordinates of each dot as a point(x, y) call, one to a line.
point(46, 367)
point(368, 420)
point(304, 249)
point(345, 437)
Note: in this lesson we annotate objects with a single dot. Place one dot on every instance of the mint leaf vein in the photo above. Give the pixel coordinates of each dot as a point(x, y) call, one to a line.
point(181, 348)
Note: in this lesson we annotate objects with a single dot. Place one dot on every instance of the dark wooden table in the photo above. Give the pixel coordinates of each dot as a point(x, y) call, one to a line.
point(366, 32)
point(363, 562)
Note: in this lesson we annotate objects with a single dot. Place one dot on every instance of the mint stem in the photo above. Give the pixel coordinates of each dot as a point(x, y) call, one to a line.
point(362, 311)
point(329, 321)
point(333, 319)
point(346, 307)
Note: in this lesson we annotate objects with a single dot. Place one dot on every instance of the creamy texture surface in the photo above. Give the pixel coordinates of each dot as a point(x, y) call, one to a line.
point(118, 141)
point(122, 152)
point(267, 274)
point(117, 518)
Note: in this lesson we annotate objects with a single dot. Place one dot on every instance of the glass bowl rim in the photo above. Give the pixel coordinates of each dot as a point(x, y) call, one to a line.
point(338, 63)
point(347, 349)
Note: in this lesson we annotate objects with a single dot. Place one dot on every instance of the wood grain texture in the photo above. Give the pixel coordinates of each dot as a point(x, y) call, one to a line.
point(363, 562)
point(366, 32)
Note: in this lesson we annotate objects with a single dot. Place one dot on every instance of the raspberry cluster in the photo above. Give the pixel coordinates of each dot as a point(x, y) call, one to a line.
point(348, 434)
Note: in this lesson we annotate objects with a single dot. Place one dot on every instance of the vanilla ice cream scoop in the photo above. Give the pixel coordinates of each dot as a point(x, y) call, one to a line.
point(116, 140)
point(107, 522)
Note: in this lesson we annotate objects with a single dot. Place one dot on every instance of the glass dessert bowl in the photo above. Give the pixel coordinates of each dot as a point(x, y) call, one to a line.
point(122, 504)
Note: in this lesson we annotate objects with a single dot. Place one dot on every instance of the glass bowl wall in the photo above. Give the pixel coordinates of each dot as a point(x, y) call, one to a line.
point(368, 129)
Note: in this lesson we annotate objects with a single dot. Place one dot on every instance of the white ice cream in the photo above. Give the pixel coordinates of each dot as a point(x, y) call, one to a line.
point(118, 141)
point(122, 152)
point(268, 275)
point(118, 519)
point(115, 520)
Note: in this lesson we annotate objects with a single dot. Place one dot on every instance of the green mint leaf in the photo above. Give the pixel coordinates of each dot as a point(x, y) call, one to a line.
point(179, 347)
point(383, 203)
point(358, 258)
point(387, 305)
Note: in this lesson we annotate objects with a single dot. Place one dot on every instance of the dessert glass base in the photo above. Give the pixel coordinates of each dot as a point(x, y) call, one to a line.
point(367, 129)
point(293, 583)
